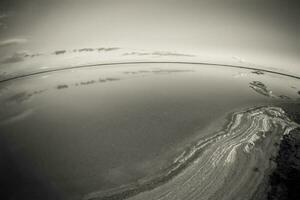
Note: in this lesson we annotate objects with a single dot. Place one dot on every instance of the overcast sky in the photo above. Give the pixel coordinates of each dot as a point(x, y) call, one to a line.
point(263, 31)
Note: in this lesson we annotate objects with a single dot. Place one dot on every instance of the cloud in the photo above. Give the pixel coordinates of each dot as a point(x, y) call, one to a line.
point(13, 41)
point(16, 57)
point(158, 53)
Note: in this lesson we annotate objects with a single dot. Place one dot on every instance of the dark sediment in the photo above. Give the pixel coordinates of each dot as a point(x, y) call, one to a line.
point(285, 179)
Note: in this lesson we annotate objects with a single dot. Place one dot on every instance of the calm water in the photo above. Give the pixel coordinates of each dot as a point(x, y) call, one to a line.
point(103, 131)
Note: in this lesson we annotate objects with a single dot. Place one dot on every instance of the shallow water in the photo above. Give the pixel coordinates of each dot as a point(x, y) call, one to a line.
point(142, 131)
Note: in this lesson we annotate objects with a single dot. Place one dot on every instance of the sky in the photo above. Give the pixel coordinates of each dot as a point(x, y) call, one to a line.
point(261, 32)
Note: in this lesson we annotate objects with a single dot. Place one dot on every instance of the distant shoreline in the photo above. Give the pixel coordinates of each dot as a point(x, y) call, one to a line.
point(144, 62)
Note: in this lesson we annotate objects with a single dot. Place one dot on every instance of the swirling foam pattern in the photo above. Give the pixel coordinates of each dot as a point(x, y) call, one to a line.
point(231, 164)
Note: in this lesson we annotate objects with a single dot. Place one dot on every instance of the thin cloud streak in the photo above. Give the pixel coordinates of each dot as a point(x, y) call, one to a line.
point(14, 41)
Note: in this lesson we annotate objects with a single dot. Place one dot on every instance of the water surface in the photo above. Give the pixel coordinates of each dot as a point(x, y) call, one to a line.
point(142, 131)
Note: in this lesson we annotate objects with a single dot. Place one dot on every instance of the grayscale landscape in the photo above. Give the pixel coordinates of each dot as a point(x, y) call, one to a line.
point(149, 100)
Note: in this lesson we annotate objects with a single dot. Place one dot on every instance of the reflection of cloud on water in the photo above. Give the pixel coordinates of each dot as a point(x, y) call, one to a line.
point(63, 86)
point(3, 25)
point(17, 117)
point(159, 71)
point(3, 75)
point(23, 96)
point(100, 80)
point(88, 82)
point(18, 97)
point(111, 79)
point(262, 89)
